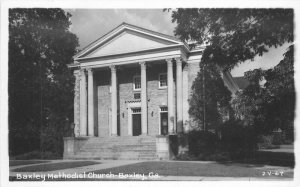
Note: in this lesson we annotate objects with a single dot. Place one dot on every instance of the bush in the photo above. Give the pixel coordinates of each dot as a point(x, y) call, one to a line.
point(278, 138)
point(234, 142)
point(265, 141)
point(205, 146)
point(237, 140)
point(201, 142)
point(268, 142)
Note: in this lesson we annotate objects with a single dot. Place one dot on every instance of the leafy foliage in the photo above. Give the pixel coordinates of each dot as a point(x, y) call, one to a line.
point(236, 142)
point(272, 105)
point(232, 36)
point(235, 35)
point(208, 89)
point(40, 85)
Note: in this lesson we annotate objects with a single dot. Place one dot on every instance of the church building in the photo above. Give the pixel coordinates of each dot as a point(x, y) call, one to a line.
point(132, 87)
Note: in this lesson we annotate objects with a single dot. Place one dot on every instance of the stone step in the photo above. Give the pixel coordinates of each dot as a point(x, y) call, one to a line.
point(92, 146)
point(116, 150)
point(87, 157)
point(116, 143)
point(121, 141)
point(148, 158)
point(112, 157)
point(134, 144)
point(146, 138)
point(119, 144)
point(125, 157)
point(106, 154)
point(129, 148)
point(126, 146)
point(131, 155)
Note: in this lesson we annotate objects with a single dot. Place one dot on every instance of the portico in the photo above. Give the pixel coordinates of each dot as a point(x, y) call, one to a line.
point(85, 82)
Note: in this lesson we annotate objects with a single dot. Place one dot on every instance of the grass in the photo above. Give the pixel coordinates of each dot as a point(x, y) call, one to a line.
point(54, 166)
point(37, 155)
point(193, 169)
point(25, 162)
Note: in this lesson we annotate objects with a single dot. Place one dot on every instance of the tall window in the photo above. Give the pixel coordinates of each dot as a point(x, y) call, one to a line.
point(137, 83)
point(163, 82)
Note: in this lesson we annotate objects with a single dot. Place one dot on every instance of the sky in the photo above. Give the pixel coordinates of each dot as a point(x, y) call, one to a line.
point(91, 24)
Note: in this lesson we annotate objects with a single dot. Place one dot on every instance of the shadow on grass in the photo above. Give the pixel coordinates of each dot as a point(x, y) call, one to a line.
point(54, 166)
point(263, 158)
point(25, 162)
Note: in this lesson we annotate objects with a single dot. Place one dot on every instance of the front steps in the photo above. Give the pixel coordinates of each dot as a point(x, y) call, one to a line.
point(127, 148)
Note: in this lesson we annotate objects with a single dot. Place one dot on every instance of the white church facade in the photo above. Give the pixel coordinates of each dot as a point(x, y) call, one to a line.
point(132, 89)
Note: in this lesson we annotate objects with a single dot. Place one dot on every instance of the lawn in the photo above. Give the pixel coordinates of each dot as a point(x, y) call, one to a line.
point(25, 162)
point(54, 166)
point(195, 169)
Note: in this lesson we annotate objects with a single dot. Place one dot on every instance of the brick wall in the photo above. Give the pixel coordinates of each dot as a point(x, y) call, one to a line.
point(102, 80)
point(156, 98)
point(125, 93)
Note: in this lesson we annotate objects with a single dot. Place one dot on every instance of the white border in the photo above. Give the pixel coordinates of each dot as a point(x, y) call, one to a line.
point(132, 4)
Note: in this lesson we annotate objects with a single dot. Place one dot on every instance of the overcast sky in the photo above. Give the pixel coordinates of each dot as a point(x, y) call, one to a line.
point(90, 24)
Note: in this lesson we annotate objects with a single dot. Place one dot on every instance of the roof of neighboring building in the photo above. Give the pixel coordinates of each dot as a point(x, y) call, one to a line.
point(241, 82)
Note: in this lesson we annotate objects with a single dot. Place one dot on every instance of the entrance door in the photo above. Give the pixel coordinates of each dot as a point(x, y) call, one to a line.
point(136, 122)
point(164, 123)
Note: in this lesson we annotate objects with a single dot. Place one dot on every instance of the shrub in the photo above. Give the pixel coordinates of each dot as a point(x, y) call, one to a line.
point(234, 141)
point(201, 142)
point(238, 140)
point(266, 142)
point(278, 138)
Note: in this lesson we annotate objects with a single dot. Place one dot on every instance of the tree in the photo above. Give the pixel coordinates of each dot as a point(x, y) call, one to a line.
point(280, 87)
point(248, 102)
point(235, 35)
point(40, 86)
point(270, 105)
point(209, 97)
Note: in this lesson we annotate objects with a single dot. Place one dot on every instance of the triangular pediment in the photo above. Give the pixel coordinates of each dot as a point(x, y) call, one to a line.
point(126, 40)
point(129, 41)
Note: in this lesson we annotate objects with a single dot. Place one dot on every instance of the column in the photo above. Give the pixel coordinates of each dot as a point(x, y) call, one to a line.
point(171, 116)
point(77, 103)
point(179, 94)
point(91, 119)
point(83, 104)
point(114, 106)
point(144, 98)
point(185, 98)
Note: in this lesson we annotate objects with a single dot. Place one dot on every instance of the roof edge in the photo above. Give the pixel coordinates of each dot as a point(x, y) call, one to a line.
point(124, 24)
